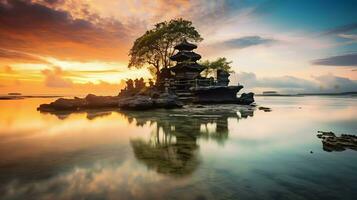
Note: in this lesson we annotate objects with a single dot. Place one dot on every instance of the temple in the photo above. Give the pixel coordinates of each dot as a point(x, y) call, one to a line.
point(185, 81)
point(187, 72)
point(186, 67)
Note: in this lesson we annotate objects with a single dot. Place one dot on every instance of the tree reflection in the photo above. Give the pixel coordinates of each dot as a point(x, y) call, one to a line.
point(91, 114)
point(172, 148)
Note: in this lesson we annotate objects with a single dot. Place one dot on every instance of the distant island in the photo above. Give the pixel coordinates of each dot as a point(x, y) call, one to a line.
point(14, 94)
point(329, 94)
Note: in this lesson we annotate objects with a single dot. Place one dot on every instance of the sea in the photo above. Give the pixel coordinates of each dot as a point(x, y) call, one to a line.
point(200, 152)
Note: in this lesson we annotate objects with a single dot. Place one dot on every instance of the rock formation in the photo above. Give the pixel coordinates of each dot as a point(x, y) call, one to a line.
point(331, 142)
point(89, 102)
point(146, 101)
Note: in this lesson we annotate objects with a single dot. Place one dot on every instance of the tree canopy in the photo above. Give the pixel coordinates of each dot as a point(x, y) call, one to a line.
point(154, 48)
point(218, 64)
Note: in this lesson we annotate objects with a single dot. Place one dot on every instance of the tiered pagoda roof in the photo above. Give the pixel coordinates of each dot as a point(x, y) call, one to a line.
point(181, 67)
point(186, 58)
point(184, 45)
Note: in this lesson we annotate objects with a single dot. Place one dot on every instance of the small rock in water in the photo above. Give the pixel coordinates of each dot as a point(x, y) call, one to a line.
point(265, 109)
point(331, 142)
point(311, 152)
point(327, 133)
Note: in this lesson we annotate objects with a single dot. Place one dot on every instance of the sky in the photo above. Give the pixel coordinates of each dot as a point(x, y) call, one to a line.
point(75, 47)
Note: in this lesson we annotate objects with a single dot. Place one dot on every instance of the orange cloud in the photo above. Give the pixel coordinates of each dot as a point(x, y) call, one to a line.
point(8, 70)
point(38, 29)
point(53, 78)
point(19, 56)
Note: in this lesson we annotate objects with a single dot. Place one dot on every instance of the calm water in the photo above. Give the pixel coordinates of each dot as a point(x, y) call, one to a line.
point(228, 152)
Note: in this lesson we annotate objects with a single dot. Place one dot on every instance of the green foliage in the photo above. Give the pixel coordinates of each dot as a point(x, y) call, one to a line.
point(213, 66)
point(154, 48)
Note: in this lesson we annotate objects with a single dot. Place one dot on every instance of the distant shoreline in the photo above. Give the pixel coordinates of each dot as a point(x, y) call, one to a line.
point(308, 94)
point(15, 97)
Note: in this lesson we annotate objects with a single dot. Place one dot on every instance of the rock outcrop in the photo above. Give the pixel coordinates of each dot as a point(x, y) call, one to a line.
point(221, 95)
point(145, 102)
point(215, 94)
point(90, 101)
point(331, 142)
point(246, 98)
point(265, 109)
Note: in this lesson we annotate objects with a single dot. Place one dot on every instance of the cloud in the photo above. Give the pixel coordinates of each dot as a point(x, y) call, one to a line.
point(341, 60)
point(348, 36)
point(8, 69)
point(58, 81)
point(341, 29)
point(266, 7)
point(53, 78)
point(36, 28)
point(19, 56)
point(250, 80)
point(245, 42)
point(332, 83)
point(291, 84)
point(100, 71)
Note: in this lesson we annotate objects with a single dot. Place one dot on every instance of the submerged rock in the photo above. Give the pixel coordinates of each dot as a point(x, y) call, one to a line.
point(265, 109)
point(331, 142)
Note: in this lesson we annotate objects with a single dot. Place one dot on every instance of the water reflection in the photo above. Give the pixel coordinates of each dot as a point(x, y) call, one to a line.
point(90, 114)
point(172, 147)
point(193, 153)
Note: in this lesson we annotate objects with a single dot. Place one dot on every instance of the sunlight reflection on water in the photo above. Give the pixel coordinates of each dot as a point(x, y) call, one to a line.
point(228, 152)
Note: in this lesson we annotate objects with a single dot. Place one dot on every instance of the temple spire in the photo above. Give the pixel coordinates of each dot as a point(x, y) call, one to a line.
point(185, 46)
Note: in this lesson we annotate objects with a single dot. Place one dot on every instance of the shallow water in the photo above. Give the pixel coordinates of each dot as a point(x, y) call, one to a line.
point(227, 152)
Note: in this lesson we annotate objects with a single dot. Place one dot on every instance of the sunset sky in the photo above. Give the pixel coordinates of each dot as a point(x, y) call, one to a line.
point(81, 46)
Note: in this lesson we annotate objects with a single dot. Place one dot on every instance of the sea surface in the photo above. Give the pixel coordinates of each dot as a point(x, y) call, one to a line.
point(201, 152)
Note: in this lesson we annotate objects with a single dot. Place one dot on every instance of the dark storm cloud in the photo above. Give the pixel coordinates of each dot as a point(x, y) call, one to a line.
point(33, 27)
point(341, 60)
point(247, 41)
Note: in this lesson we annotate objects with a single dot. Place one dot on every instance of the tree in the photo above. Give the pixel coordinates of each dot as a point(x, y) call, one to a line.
point(218, 64)
point(154, 48)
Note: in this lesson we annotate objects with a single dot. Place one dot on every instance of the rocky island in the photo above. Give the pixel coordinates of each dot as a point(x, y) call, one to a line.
point(175, 86)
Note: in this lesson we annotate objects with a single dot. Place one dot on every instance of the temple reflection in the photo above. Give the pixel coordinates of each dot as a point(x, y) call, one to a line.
point(172, 148)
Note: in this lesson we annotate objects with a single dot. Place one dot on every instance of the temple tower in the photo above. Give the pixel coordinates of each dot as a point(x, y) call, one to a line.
point(186, 67)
